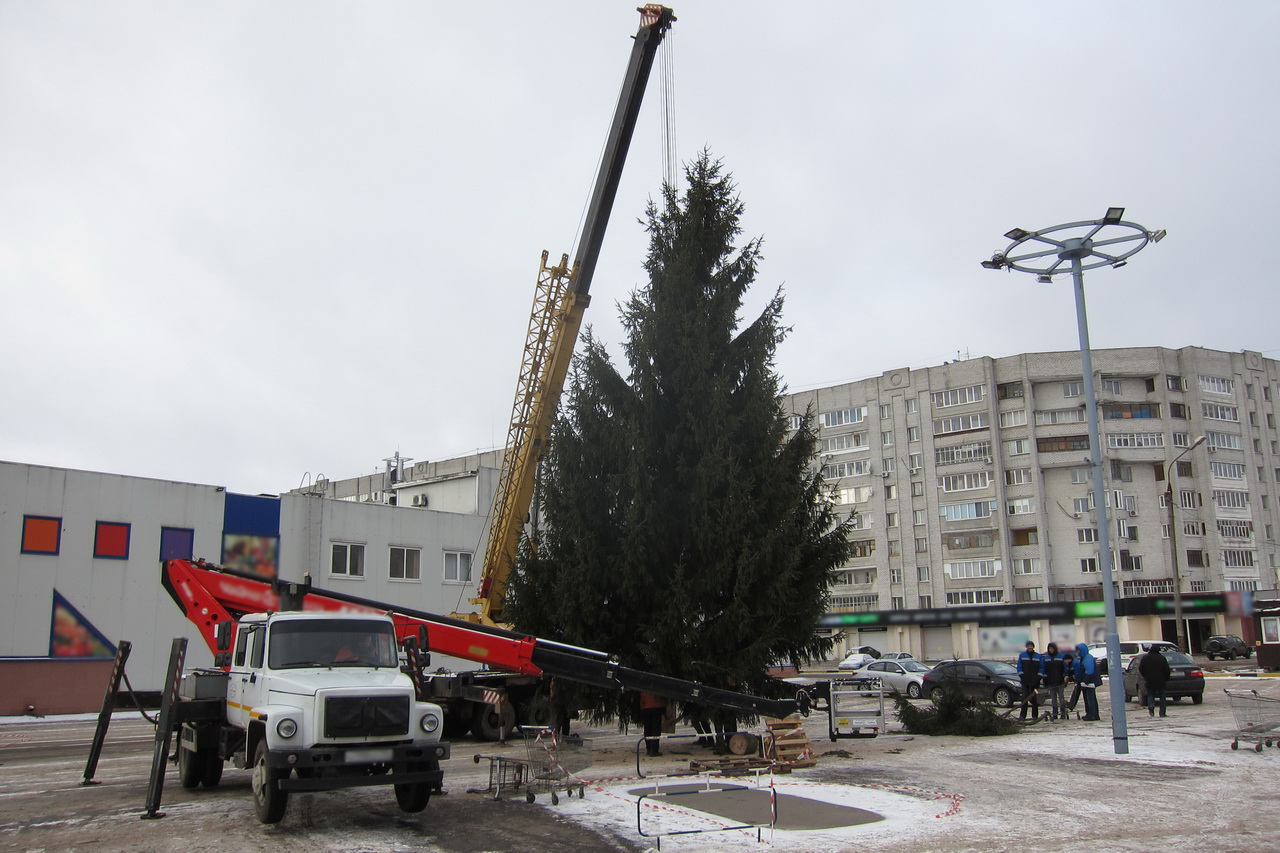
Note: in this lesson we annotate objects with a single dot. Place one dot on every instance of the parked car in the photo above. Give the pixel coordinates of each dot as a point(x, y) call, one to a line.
point(858, 658)
point(897, 656)
point(897, 676)
point(985, 680)
point(1226, 646)
point(1185, 679)
point(1128, 649)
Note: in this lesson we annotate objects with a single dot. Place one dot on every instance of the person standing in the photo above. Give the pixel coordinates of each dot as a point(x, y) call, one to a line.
point(652, 710)
point(1055, 679)
point(1070, 662)
point(1155, 671)
point(1088, 678)
point(1030, 670)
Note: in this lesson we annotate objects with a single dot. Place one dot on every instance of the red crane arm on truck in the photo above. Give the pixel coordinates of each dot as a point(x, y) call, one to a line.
point(210, 596)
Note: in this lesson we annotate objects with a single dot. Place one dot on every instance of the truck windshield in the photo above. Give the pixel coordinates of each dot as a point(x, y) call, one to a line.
point(299, 643)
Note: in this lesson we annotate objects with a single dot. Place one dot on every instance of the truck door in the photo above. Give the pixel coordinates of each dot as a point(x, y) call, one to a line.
point(243, 681)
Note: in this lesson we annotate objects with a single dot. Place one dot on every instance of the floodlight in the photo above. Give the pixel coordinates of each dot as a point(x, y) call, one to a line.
point(1114, 215)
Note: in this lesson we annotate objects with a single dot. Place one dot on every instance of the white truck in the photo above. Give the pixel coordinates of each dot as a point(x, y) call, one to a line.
point(313, 702)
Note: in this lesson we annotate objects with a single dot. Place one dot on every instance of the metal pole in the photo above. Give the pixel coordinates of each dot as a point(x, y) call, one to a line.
point(1173, 561)
point(1115, 678)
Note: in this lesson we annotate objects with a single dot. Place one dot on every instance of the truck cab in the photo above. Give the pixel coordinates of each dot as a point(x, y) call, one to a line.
point(318, 701)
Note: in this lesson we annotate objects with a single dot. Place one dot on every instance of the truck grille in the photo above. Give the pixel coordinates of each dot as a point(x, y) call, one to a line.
point(360, 716)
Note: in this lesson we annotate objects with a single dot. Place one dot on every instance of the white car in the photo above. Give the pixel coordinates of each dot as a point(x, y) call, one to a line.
point(858, 658)
point(897, 676)
point(1129, 649)
point(897, 656)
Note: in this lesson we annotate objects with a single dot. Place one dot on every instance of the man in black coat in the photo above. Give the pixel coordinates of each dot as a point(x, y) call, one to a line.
point(1155, 672)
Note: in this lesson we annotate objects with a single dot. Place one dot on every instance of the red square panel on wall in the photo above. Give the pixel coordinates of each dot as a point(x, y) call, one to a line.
point(41, 534)
point(111, 541)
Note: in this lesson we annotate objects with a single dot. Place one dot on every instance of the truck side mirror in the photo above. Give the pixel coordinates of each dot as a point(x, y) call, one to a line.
point(224, 637)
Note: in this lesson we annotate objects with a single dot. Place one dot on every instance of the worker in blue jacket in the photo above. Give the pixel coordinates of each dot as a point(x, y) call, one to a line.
point(1088, 678)
point(1030, 671)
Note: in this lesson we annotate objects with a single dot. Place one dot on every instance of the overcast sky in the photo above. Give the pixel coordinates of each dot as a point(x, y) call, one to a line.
point(245, 243)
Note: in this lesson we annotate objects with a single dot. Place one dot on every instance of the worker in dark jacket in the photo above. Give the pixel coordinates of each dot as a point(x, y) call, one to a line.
point(1055, 679)
point(1030, 670)
point(1155, 673)
point(1088, 678)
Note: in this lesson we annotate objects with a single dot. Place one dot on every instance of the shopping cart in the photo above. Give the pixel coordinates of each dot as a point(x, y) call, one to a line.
point(1257, 718)
point(553, 762)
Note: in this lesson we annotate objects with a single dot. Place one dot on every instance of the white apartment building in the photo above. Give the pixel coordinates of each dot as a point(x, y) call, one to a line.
point(970, 483)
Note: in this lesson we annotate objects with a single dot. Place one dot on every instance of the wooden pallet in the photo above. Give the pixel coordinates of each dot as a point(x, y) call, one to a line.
point(787, 743)
point(730, 764)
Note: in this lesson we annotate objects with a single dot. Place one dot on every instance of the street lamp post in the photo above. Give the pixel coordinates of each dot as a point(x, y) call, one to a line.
point(1173, 546)
point(1109, 241)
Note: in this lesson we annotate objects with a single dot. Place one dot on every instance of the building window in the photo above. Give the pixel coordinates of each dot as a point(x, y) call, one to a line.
point(1197, 559)
point(1025, 536)
point(852, 468)
point(844, 416)
point(1026, 566)
point(1063, 443)
point(886, 411)
point(1018, 447)
point(858, 603)
point(959, 396)
point(1111, 386)
point(965, 482)
point(918, 516)
point(895, 576)
point(1072, 389)
point(975, 596)
point(1135, 439)
point(1086, 534)
point(1081, 476)
point(1050, 417)
point(1017, 476)
point(1079, 506)
point(406, 563)
point(896, 603)
point(1174, 382)
point(847, 441)
point(1128, 411)
point(913, 406)
point(457, 567)
point(886, 438)
point(966, 511)
point(1225, 470)
point(1224, 441)
point(922, 574)
point(1231, 498)
point(890, 492)
point(917, 488)
point(895, 547)
point(961, 423)
point(1009, 391)
point(1089, 564)
point(1217, 385)
point(1219, 412)
point(347, 559)
point(1179, 410)
point(966, 569)
point(794, 422)
point(926, 602)
point(1028, 594)
point(973, 451)
point(922, 545)
point(1236, 559)
point(1014, 418)
point(966, 541)
point(111, 541)
point(891, 520)
point(1148, 587)
point(913, 433)
point(862, 548)
point(41, 534)
point(177, 543)
point(1020, 506)
point(1242, 585)
point(887, 464)
point(1130, 562)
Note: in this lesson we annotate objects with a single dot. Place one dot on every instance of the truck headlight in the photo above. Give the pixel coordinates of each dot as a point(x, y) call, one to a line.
point(286, 728)
point(429, 723)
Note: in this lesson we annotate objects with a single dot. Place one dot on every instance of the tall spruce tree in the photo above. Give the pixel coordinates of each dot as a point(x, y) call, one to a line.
point(682, 529)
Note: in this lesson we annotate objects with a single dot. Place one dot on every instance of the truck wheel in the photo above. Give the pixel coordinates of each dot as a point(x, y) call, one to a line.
point(190, 768)
point(413, 797)
point(268, 800)
point(212, 774)
point(488, 724)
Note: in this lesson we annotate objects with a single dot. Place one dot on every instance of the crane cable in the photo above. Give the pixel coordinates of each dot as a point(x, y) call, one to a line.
point(666, 54)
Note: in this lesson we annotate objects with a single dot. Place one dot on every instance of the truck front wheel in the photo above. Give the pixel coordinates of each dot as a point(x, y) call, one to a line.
point(268, 800)
point(414, 796)
point(488, 723)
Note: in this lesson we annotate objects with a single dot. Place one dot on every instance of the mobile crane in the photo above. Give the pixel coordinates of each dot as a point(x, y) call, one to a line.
point(560, 299)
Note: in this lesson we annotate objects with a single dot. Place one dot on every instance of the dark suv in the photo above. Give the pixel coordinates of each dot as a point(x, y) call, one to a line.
point(1226, 646)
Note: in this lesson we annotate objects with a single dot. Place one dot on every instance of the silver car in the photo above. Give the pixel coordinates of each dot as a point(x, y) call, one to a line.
point(897, 676)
